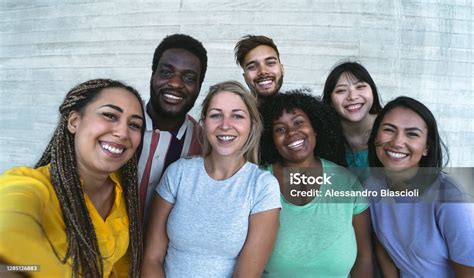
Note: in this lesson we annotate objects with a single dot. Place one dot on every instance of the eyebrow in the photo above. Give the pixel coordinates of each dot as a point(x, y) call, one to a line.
point(170, 66)
point(115, 107)
point(355, 82)
point(407, 129)
point(233, 110)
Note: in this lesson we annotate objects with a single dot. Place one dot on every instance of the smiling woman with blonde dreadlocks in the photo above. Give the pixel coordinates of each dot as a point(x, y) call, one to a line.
point(76, 212)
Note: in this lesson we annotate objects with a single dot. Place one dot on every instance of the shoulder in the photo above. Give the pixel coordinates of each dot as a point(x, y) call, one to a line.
point(185, 163)
point(26, 175)
point(262, 180)
point(257, 172)
point(26, 184)
point(449, 189)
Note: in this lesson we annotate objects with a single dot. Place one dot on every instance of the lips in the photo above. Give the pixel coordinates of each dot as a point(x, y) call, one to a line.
point(225, 139)
point(297, 144)
point(112, 148)
point(172, 97)
point(265, 83)
point(353, 107)
point(395, 155)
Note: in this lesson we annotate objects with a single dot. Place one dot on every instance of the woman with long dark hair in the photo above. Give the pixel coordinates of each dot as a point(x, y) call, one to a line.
point(424, 222)
point(76, 212)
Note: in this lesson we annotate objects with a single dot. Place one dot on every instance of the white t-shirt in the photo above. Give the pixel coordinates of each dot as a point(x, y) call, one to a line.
point(208, 223)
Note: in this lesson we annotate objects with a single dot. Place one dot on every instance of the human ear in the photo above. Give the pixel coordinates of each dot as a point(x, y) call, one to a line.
point(73, 121)
point(282, 70)
point(425, 151)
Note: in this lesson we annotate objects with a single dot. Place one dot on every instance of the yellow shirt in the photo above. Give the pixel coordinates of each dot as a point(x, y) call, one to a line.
point(31, 221)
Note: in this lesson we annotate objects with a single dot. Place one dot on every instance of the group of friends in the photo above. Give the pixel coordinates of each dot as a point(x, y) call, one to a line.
point(133, 188)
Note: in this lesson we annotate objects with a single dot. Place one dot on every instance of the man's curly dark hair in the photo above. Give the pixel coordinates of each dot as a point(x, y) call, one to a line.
point(324, 120)
point(182, 41)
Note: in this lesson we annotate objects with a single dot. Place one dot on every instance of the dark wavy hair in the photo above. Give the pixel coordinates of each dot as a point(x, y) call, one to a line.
point(186, 42)
point(324, 120)
point(249, 42)
point(434, 158)
point(359, 72)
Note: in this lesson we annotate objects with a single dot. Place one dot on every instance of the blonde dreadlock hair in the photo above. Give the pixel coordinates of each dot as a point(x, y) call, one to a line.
point(82, 244)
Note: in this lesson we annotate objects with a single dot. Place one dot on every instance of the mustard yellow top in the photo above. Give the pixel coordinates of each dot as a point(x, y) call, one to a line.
point(31, 222)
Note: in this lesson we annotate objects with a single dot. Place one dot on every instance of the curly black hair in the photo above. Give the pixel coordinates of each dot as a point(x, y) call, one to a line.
point(324, 120)
point(183, 42)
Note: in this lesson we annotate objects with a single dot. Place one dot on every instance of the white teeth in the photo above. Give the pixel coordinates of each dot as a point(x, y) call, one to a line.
point(111, 149)
point(296, 144)
point(172, 96)
point(354, 106)
point(264, 82)
point(396, 155)
point(226, 138)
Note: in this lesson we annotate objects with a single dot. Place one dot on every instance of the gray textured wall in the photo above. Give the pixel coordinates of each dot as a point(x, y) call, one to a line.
point(422, 49)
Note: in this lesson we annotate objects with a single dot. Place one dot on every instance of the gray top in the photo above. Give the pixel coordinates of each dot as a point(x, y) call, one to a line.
point(208, 223)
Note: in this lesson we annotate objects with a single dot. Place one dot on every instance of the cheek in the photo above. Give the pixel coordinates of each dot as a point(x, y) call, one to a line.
point(192, 88)
point(381, 138)
point(207, 129)
point(278, 142)
point(136, 139)
point(420, 148)
point(249, 75)
point(336, 100)
point(379, 151)
point(154, 81)
point(210, 130)
point(369, 98)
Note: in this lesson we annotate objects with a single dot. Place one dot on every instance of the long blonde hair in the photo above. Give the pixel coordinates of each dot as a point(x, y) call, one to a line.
point(250, 150)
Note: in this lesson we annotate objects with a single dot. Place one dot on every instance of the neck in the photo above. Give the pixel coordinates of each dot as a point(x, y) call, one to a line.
point(100, 190)
point(93, 182)
point(221, 168)
point(357, 133)
point(164, 122)
point(310, 162)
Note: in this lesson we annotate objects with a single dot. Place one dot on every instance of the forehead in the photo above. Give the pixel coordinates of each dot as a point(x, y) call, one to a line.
point(181, 59)
point(347, 77)
point(290, 114)
point(118, 97)
point(260, 52)
point(227, 100)
point(403, 117)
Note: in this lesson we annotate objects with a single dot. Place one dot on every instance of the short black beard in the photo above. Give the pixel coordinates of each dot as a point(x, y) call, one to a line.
point(276, 91)
point(165, 114)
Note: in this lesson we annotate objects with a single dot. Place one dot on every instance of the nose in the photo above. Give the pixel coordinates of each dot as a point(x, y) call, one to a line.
point(121, 130)
point(225, 123)
point(351, 94)
point(398, 140)
point(176, 81)
point(291, 131)
point(262, 69)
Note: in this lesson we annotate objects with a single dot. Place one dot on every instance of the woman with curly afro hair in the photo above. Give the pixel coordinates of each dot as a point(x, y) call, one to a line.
point(319, 234)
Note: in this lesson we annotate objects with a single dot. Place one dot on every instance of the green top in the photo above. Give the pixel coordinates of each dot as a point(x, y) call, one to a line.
point(358, 163)
point(318, 239)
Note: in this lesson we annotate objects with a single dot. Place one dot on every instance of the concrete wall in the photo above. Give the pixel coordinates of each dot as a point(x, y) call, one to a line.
point(422, 49)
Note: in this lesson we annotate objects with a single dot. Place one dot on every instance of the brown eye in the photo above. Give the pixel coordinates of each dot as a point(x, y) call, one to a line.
point(110, 116)
point(135, 126)
point(279, 129)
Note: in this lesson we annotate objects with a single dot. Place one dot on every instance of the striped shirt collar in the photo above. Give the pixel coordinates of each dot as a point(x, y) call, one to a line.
point(177, 132)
